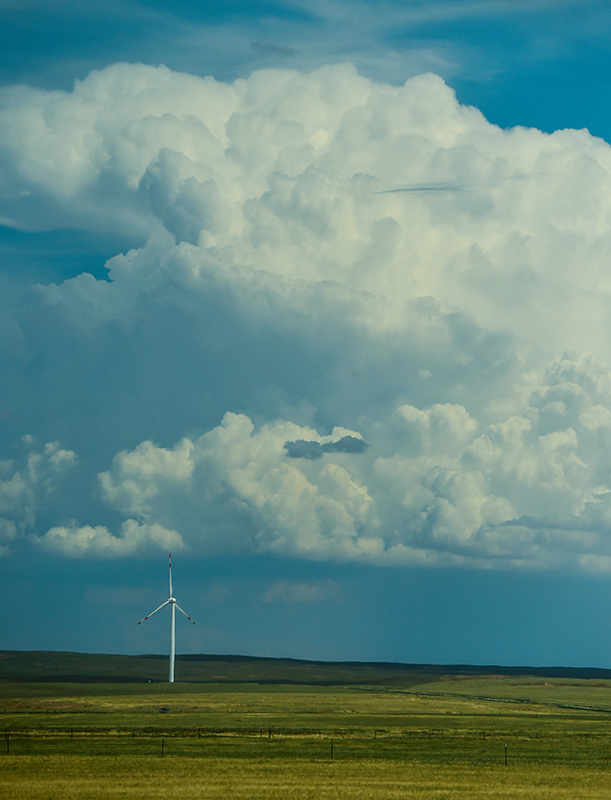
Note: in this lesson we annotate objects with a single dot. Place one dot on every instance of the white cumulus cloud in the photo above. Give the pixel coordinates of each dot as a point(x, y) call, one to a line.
point(358, 321)
point(27, 484)
point(77, 541)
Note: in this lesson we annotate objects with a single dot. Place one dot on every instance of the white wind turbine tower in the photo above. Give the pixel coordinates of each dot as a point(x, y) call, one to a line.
point(171, 601)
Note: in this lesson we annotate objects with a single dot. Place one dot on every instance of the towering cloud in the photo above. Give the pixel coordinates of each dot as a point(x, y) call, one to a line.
point(358, 322)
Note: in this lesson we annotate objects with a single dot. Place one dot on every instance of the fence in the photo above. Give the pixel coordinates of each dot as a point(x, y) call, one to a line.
point(432, 746)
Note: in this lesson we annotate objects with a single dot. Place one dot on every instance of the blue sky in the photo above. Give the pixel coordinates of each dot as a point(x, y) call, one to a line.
point(547, 60)
point(316, 296)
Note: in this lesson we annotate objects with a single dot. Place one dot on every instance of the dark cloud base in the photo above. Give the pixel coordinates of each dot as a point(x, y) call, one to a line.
point(311, 450)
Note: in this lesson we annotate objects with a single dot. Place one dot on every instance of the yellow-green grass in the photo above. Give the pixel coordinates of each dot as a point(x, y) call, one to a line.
point(570, 691)
point(71, 741)
point(110, 778)
point(250, 708)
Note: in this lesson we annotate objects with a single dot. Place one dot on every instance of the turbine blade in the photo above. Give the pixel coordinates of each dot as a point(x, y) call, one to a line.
point(170, 560)
point(154, 612)
point(183, 612)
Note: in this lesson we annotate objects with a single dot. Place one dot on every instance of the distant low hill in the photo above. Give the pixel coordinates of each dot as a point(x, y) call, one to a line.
point(44, 665)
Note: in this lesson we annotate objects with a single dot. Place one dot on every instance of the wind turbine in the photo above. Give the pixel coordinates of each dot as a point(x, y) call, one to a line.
point(171, 601)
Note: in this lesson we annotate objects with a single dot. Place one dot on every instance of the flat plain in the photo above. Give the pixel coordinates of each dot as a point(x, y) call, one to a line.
point(449, 736)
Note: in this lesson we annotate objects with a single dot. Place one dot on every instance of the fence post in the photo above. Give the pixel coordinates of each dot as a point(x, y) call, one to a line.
point(505, 754)
point(331, 749)
point(8, 739)
point(162, 745)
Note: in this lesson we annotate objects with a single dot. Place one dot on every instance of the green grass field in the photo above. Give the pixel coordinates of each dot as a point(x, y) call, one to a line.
point(88, 778)
point(447, 737)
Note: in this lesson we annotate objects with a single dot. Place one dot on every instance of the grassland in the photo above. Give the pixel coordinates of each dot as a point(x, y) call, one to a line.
point(451, 736)
point(103, 668)
point(187, 779)
point(17, 666)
